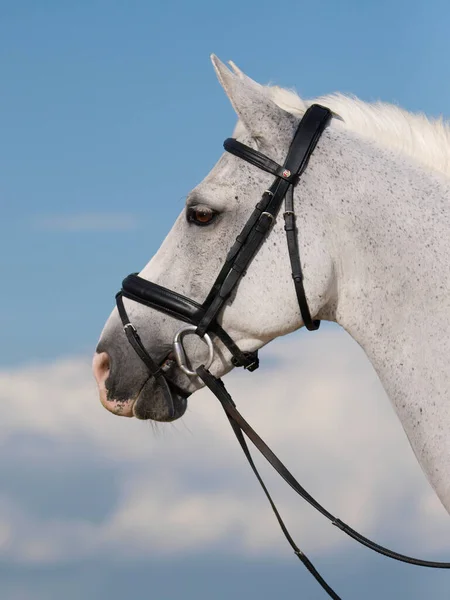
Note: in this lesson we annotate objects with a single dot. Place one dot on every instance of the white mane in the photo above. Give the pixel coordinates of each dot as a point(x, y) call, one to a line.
point(426, 140)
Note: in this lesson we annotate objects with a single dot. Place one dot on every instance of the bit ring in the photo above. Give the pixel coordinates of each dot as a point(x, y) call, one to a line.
point(180, 354)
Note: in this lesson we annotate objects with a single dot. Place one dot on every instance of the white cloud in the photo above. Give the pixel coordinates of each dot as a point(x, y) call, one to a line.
point(187, 486)
point(93, 222)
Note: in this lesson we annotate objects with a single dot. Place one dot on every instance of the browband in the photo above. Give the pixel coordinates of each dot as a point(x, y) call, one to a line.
point(258, 159)
point(305, 139)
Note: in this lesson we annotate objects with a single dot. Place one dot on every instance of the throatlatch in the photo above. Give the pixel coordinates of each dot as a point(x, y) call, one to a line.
point(202, 318)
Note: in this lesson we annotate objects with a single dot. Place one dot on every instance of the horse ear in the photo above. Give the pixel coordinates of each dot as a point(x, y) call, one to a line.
point(250, 100)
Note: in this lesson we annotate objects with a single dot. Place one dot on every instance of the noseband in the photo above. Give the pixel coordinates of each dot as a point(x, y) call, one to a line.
point(201, 319)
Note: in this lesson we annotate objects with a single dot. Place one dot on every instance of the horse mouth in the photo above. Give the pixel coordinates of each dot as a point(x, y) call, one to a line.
point(158, 401)
point(146, 408)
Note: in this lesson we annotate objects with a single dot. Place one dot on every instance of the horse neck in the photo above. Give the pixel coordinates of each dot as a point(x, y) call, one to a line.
point(388, 222)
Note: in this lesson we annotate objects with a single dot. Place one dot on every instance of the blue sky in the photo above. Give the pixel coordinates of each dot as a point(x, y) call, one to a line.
point(109, 114)
point(100, 100)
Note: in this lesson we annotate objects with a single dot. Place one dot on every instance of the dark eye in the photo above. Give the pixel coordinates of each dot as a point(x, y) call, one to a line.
point(201, 215)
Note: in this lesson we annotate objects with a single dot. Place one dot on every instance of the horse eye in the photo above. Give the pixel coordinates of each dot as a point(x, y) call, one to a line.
point(201, 215)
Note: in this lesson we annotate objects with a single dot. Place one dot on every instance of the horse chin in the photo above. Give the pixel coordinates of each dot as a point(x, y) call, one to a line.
point(159, 404)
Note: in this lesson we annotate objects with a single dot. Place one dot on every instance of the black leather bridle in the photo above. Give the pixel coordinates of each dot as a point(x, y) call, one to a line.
point(202, 318)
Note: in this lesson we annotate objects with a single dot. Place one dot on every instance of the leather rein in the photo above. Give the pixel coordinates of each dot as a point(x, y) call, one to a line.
point(202, 318)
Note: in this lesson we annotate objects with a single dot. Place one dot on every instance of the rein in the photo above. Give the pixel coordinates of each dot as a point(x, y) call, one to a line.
point(201, 319)
point(240, 426)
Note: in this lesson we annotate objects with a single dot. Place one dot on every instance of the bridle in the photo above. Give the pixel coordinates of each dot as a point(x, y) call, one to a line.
point(201, 319)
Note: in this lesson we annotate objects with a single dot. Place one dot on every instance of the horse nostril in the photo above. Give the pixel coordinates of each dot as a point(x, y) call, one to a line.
point(100, 366)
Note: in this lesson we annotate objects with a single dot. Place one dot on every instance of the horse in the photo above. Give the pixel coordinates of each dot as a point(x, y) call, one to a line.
point(372, 229)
